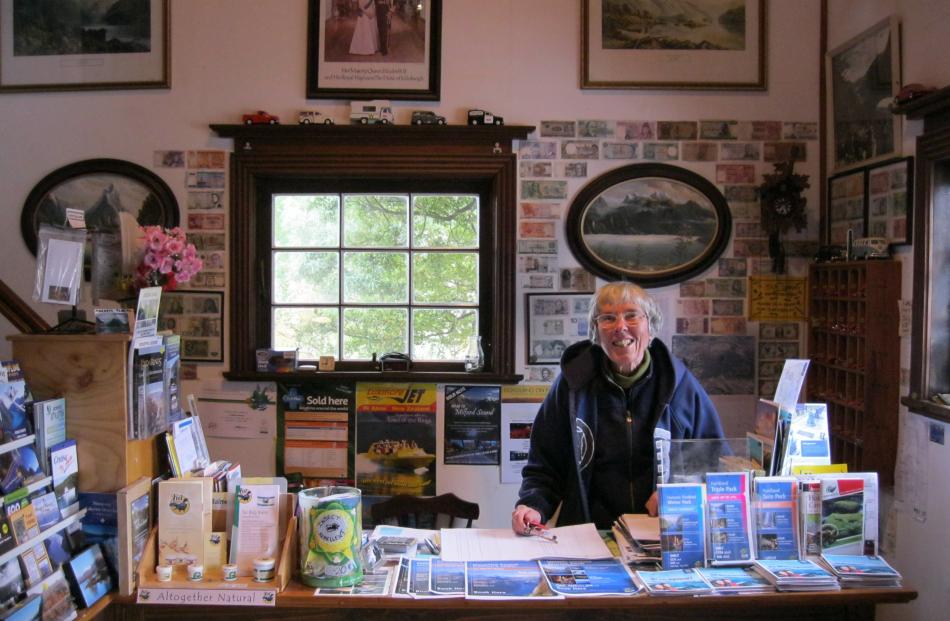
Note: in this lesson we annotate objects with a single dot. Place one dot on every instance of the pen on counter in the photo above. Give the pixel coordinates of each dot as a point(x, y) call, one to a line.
point(540, 530)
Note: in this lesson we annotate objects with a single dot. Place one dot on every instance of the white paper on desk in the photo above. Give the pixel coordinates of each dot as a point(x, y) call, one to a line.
point(580, 541)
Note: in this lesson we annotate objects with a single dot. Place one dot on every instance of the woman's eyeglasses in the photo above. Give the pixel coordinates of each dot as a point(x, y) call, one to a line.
point(631, 318)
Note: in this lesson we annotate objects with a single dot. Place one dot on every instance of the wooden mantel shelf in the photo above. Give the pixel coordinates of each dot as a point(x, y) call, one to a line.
point(248, 136)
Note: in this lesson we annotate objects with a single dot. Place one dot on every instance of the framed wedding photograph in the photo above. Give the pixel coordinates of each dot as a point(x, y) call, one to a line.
point(652, 224)
point(198, 317)
point(105, 45)
point(554, 322)
point(701, 45)
point(862, 77)
point(374, 49)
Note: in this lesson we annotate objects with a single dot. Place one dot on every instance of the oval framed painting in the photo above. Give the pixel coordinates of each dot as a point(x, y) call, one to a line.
point(652, 224)
point(106, 190)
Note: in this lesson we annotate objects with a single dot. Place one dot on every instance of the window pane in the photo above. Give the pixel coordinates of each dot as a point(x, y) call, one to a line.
point(309, 220)
point(445, 221)
point(374, 330)
point(375, 277)
point(375, 221)
point(442, 333)
point(445, 278)
point(306, 277)
point(314, 330)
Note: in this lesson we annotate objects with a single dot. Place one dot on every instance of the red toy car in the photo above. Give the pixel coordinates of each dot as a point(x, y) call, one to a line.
point(260, 118)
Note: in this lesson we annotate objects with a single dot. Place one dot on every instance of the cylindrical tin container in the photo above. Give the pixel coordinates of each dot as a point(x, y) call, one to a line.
point(330, 530)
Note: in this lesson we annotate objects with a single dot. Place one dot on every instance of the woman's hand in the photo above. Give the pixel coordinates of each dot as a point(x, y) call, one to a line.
point(521, 517)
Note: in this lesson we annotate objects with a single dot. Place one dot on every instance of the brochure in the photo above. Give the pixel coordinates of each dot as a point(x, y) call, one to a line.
point(62, 272)
point(588, 578)
point(862, 570)
point(446, 577)
point(790, 383)
point(674, 582)
point(49, 420)
point(730, 523)
point(184, 520)
point(810, 500)
point(505, 580)
point(64, 461)
point(776, 518)
point(832, 492)
point(796, 575)
point(255, 532)
point(14, 401)
point(808, 441)
point(682, 525)
point(727, 580)
point(842, 516)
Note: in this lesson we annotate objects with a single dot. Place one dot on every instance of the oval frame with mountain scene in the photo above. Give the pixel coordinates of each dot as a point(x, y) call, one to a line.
point(651, 224)
point(104, 189)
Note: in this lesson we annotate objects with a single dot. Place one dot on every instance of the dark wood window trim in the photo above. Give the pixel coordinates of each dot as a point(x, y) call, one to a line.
point(265, 154)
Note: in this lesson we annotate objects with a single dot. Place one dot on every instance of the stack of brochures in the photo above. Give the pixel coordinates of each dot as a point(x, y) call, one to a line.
point(638, 537)
point(731, 580)
point(674, 582)
point(588, 578)
point(855, 571)
point(797, 575)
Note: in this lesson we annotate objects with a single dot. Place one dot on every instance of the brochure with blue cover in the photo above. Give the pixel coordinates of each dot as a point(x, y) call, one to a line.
point(505, 580)
point(735, 580)
point(728, 507)
point(776, 518)
point(682, 525)
point(859, 565)
point(808, 441)
point(674, 582)
point(588, 578)
point(446, 577)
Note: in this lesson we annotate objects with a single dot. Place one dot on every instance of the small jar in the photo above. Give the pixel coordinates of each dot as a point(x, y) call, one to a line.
point(196, 572)
point(229, 571)
point(164, 572)
point(263, 569)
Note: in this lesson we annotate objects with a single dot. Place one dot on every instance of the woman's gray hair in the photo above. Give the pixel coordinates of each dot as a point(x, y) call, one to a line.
point(623, 292)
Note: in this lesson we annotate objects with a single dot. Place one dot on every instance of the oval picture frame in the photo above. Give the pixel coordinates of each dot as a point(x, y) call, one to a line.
point(651, 224)
point(104, 188)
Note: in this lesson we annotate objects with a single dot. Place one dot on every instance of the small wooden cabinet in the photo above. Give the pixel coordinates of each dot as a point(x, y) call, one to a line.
point(855, 360)
point(91, 371)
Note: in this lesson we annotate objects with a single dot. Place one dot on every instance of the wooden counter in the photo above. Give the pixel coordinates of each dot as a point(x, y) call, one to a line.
point(297, 602)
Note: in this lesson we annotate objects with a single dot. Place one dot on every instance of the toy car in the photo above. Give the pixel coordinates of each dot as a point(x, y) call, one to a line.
point(307, 117)
point(424, 117)
point(260, 118)
point(371, 112)
point(481, 117)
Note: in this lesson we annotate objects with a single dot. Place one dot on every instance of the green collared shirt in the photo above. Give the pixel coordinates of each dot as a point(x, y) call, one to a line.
point(626, 381)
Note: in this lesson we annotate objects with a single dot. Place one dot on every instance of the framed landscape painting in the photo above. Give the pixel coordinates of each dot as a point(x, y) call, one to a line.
point(669, 44)
point(863, 75)
point(363, 49)
point(103, 45)
point(652, 224)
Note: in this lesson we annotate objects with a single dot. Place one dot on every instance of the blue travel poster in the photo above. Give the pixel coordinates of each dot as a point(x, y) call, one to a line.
point(682, 525)
point(600, 577)
point(504, 579)
point(775, 519)
point(727, 501)
point(447, 577)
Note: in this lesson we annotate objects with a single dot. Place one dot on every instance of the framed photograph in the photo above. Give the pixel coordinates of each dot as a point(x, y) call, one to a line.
point(652, 224)
point(847, 200)
point(134, 522)
point(374, 49)
point(890, 188)
point(89, 576)
point(198, 316)
point(115, 195)
point(863, 75)
point(702, 45)
point(554, 321)
point(108, 45)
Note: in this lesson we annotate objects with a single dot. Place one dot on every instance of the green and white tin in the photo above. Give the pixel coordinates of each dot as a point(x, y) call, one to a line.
point(331, 529)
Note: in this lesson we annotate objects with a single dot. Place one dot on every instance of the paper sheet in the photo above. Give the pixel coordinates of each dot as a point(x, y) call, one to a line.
point(501, 544)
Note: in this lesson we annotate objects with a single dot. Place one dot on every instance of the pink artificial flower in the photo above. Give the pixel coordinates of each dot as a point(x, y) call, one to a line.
point(167, 265)
point(151, 260)
point(174, 245)
point(154, 238)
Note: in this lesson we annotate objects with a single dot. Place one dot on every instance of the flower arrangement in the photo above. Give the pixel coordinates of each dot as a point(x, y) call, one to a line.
point(168, 260)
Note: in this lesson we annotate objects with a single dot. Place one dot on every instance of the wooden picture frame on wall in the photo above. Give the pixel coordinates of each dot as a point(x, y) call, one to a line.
point(862, 77)
point(198, 316)
point(847, 206)
point(350, 60)
point(890, 196)
point(623, 49)
point(80, 51)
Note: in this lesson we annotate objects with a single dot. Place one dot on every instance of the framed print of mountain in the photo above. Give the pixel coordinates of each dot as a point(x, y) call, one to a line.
point(102, 45)
point(862, 77)
point(674, 44)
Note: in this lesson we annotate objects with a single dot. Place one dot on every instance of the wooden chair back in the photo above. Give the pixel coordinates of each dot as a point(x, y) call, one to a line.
point(420, 512)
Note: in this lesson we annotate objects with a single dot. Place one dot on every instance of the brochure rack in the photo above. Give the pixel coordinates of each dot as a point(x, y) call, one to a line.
point(91, 371)
point(855, 352)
